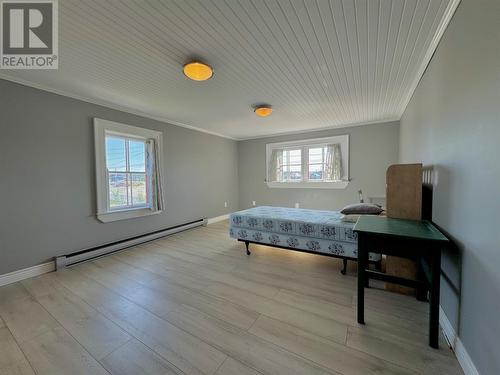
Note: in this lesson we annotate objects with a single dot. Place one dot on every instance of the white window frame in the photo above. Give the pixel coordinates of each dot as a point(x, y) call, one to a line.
point(343, 140)
point(101, 129)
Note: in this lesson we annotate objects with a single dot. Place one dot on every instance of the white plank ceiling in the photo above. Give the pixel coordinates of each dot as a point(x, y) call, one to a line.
point(319, 63)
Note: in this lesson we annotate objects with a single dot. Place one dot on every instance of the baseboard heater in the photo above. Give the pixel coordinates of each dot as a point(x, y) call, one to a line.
point(99, 251)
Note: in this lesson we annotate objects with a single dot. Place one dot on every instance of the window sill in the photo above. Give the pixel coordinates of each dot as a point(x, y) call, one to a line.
point(308, 185)
point(107, 217)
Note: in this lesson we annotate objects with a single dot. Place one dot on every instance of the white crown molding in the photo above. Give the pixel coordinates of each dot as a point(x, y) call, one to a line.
point(448, 14)
point(456, 344)
point(339, 127)
point(26, 273)
point(216, 219)
point(109, 105)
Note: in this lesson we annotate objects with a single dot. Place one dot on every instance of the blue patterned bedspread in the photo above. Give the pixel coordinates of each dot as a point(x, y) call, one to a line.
point(296, 228)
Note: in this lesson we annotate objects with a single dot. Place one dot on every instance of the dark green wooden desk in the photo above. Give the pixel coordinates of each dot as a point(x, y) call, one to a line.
point(414, 239)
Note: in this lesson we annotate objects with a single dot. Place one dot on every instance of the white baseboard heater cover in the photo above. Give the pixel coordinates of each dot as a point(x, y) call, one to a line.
point(99, 251)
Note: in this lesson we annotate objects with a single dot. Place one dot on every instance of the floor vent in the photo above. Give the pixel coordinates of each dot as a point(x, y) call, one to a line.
point(99, 251)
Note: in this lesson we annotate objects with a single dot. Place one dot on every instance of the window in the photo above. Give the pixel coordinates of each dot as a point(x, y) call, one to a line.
point(290, 167)
point(315, 163)
point(127, 171)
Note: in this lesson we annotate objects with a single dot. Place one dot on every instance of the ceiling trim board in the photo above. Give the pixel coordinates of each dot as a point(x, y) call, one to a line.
point(448, 15)
point(339, 127)
point(109, 105)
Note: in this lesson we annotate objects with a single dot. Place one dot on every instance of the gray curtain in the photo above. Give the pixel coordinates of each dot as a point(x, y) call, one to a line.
point(152, 157)
point(333, 162)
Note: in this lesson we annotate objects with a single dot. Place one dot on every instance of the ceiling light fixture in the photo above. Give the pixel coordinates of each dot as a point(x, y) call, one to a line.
point(198, 71)
point(263, 110)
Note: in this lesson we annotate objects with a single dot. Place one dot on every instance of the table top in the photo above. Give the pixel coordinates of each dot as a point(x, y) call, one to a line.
point(417, 229)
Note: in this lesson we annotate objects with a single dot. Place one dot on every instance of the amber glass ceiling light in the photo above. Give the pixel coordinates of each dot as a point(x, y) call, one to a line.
point(263, 111)
point(198, 71)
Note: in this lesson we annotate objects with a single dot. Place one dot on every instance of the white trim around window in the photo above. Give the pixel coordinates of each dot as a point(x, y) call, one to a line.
point(304, 145)
point(105, 211)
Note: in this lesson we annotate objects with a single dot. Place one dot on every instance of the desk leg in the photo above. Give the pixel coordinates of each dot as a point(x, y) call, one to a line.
point(421, 291)
point(434, 299)
point(362, 261)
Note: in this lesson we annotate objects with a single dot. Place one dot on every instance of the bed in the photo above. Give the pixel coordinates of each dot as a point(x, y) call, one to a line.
point(311, 231)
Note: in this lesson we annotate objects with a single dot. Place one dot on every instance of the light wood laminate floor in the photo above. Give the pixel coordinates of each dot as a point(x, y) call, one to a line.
point(195, 303)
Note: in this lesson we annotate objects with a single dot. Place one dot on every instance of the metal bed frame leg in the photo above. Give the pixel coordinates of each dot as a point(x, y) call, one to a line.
point(344, 270)
point(247, 244)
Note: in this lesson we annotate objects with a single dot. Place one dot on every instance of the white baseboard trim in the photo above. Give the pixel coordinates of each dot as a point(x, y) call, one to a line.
point(464, 359)
point(456, 344)
point(26, 273)
point(448, 330)
point(218, 218)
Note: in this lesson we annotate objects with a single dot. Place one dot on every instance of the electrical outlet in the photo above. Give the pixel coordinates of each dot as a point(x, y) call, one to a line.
point(225, 204)
point(297, 205)
point(253, 203)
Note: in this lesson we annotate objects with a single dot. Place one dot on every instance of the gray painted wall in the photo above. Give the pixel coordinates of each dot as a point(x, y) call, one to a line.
point(47, 183)
point(372, 149)
point(452, 122)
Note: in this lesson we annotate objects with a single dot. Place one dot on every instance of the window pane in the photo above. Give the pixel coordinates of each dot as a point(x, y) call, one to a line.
point(316, 172)
point(137, 156)
point(316, 155)
point(117, 190)
point(294, 173)
point(286, 173)
point(295, 157)
point(115, 154)
point(286, 157)
point(281, 170)
point(139, 194)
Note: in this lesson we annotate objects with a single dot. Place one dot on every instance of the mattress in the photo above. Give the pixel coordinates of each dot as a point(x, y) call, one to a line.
point(312, 230)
